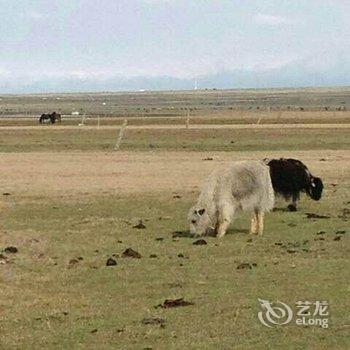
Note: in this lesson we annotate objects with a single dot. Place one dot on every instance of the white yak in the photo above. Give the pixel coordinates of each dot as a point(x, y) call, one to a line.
point(243, 186)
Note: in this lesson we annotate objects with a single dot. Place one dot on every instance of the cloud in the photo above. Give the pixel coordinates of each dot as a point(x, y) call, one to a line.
point(34, 15)
point(86, 74)
point(158, 2)
point(274, 20)
point(4, 72)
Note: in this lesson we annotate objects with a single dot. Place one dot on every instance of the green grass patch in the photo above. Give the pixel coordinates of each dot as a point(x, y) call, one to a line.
point(48, 302)
point(171, 139)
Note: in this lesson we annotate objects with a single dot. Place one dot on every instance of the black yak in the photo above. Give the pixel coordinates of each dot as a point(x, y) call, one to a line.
point(290, 177)
point(53, 117)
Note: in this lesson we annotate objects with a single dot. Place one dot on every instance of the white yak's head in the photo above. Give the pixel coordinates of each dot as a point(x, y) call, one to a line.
point(199, 221)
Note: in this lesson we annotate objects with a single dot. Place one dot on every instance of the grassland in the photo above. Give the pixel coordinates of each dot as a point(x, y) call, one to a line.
point(51, 303)
point(177, 103)
point(167, 138)
point(70, 202)
point(227, 118)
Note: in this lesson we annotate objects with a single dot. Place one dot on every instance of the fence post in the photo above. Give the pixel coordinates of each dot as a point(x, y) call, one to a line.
point(121, 134)
point(188, 119)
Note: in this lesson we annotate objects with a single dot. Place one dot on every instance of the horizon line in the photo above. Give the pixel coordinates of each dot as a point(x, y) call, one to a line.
point(144, 91)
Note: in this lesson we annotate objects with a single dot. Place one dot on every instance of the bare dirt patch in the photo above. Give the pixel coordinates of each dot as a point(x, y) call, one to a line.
point(67, 174)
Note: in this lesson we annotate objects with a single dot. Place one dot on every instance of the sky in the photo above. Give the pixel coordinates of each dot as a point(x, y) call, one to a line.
point(90, 45)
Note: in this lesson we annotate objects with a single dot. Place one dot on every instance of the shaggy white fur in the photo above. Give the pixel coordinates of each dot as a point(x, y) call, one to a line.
point(244, 186)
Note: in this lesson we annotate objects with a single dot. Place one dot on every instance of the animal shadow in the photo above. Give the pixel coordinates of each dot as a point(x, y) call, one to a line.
point(211, 233)
point(188, 234)
point(283, 210)
point(235, 231)
point(182, 234)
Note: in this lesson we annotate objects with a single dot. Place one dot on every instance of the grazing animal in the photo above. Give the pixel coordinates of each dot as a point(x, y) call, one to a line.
point(57, 117)
point(44, 117)
point(53, 117)
point(244, 186)
point(290, 177)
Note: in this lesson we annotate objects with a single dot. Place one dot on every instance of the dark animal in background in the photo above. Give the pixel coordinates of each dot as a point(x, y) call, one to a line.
point(53, 118)
point(57, 117)
point(44, 117)
point(290, 177)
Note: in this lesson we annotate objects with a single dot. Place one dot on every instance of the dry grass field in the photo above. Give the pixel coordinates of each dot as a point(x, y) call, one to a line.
point(69, 203)
point(178, 103)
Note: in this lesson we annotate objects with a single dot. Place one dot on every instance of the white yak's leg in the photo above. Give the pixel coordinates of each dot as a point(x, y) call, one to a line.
point(254, 228)
point(261, 215)
point(226, 213)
